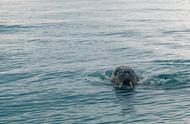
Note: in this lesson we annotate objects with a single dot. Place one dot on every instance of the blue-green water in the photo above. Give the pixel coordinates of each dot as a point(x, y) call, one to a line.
point(56, 57)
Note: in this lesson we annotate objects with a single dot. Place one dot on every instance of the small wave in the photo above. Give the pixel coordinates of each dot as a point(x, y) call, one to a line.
point(119, 49)
point(168, 81)
point(123, 34)
point(13, 28)
point(176, 31)
point(181, 62)
point(99, 78)
point(101, 75)
point(12, 77)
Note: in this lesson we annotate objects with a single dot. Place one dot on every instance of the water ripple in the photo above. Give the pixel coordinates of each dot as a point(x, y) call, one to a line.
point(56, 58)
point(14, 28)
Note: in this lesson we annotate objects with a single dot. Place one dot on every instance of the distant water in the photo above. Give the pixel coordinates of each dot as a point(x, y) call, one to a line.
point(56, 57)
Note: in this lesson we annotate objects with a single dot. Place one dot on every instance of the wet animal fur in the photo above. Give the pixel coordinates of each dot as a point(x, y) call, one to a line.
point(124, 75)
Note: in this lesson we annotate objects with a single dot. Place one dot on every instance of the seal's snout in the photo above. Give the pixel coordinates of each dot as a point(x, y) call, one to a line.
point(129, 83)
point(124, 75)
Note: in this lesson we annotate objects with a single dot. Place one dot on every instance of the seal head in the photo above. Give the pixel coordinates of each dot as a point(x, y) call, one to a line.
point(124, 75)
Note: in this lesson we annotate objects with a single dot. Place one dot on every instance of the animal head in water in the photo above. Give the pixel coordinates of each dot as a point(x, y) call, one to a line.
point(124, 75)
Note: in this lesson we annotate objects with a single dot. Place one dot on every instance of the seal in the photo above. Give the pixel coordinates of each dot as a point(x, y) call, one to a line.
point(124, 75)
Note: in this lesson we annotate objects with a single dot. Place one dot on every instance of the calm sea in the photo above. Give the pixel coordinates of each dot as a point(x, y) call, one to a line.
point(56, 57)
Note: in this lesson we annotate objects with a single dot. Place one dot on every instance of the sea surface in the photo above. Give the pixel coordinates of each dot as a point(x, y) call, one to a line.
point(56, 57)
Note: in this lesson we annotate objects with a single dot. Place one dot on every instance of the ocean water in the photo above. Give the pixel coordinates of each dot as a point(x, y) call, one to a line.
point(56, 57)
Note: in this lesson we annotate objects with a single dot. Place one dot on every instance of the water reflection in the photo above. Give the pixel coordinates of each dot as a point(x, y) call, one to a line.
point(125, 97)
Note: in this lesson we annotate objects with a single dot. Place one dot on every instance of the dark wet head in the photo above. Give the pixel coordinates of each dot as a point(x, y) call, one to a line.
point(124, 75)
